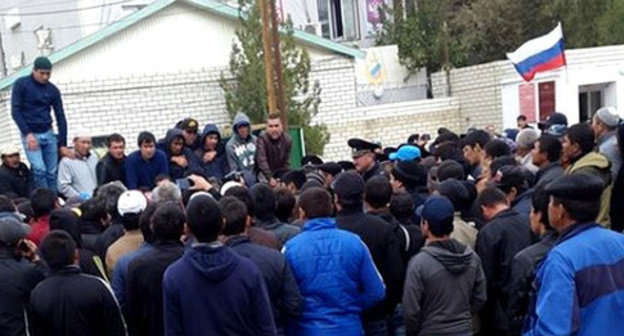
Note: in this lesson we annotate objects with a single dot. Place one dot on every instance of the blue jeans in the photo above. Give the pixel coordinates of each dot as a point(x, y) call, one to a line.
point(376, 328)
point(396, 327)
point(43, 160)
point(391, 326)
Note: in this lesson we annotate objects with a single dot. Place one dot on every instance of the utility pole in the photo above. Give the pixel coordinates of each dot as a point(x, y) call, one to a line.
point(268, 59)
point(281, 99)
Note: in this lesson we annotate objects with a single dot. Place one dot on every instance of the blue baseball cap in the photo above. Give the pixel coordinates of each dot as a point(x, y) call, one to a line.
point(405, 153)
point(436, 210)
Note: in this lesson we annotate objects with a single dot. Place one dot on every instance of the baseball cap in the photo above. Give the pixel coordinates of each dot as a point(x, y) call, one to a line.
point(131, 202)
point(436, 210)
point(509, 176)
point(189, 124)
point(12, 229)
point(405, 153)
point(9, 149)
point(349, 186)
point(556, 124)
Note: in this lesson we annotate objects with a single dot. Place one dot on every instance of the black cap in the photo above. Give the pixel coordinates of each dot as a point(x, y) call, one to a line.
point(389, 150)
point(349, 186)
point(311, 159)
point(346, 165)
point(456, 192)
point(554, 119)
point(360, 147)
point(297, 177)
point(509, 176)
point(189, 124)
point(576, 187)
point(331, 168)
point(450, 169)
point(410, 171)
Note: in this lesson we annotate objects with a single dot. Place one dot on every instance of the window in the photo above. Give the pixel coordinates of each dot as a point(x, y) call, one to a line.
point(338, 19)
point(594, 96)
point(589, 102)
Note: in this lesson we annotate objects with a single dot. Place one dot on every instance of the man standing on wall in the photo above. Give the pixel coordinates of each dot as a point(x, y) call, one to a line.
point(31, 100)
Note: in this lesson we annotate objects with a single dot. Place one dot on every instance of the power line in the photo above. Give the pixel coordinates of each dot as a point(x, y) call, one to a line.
point(31, 29)
point(38, 5)
point(65, 10)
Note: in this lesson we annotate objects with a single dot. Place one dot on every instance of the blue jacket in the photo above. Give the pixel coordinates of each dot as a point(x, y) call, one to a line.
point(218, 167)
point(142, 173)
point(336, 277)
point(213, 291)
point(30, 107)
point(580, 286)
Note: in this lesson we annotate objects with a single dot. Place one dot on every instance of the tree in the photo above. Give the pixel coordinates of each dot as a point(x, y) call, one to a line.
point(245, 88)
point(481, 31)
point(421, 37)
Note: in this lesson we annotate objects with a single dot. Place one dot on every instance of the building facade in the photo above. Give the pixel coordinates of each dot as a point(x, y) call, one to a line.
point(39, 27)
point(494, 93)
point(163, 63)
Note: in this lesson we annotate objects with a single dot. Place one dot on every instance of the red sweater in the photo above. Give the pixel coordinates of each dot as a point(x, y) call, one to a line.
point(40, 229)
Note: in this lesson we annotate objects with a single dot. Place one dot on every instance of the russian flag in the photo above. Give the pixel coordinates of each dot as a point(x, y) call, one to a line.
point(540, 54)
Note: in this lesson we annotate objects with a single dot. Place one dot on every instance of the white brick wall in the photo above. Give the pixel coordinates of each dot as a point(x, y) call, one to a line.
point(392, 124)
point(129, 105)
point(478, 89)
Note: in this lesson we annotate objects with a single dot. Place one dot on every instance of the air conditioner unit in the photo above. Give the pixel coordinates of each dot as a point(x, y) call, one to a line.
point(313, 28)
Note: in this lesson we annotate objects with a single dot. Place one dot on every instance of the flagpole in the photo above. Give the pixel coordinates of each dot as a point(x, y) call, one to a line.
point(567, 74)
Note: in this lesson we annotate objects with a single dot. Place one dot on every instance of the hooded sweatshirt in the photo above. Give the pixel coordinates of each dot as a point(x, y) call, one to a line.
point(213, 291)
point(218, 167)
point(444, 285)
point(176, 171)
point(241, 152)
point(596, 164)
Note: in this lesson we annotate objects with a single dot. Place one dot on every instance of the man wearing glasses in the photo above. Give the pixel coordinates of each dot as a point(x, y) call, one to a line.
point(31, 100)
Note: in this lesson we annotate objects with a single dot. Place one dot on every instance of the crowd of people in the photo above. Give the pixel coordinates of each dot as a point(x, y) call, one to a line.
point(479, 233)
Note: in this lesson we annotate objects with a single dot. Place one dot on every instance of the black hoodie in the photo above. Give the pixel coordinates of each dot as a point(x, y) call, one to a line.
point(176, 171)
point(66, 220)
point(218, 167)
point(445, 284)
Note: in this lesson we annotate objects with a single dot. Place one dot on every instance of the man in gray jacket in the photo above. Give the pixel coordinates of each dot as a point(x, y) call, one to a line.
point(241, 148)
point(77, 176)
point(450, 272)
